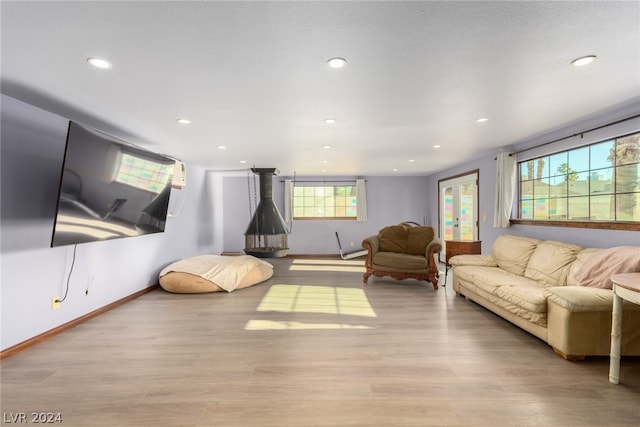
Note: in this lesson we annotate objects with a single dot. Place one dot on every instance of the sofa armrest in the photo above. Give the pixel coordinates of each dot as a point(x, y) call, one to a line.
point(372, 245)
point(475, 260)
point(433, 248)
point(584, 298)
point(579, 322)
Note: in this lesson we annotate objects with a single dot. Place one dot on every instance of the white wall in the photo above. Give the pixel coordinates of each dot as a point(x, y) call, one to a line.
point(32, 273)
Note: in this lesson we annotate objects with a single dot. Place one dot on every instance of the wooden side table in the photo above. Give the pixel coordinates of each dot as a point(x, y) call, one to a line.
point(459, 247)
point(625, 287)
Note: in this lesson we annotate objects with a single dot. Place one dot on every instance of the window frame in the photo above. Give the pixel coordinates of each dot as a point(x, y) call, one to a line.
point(630, 225)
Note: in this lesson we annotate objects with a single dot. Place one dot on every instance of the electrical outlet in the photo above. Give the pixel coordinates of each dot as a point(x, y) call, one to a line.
point(352, 244)
point(55, 303)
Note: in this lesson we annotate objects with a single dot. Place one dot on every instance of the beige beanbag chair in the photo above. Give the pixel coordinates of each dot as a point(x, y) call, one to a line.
point(214, 273)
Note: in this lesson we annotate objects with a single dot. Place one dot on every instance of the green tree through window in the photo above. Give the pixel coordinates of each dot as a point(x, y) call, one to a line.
point(595, 183)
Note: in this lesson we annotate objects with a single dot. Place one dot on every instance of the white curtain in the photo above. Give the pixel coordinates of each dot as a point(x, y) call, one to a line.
point(361, 200)
point(505, 189)
point(288, 202)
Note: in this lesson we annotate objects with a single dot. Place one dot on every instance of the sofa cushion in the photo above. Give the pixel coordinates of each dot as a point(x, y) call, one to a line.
point(512, 253)
point(491, 278)
point(526, 302)
point(488, 279)
point(393, 238)
point(576, 265)
point(526, 299)
point(418, 239)
point(530, 298)
point(399, 262)
point(550, 261)
point(489, 296)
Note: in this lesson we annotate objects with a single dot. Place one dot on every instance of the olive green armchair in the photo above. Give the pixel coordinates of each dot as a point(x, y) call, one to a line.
point(403, 252)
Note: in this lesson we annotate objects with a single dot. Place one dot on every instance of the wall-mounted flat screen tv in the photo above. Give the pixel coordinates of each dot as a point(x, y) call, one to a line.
point(109, 189)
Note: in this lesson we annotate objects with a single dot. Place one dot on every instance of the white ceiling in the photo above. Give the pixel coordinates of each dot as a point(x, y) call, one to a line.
point(252, 76)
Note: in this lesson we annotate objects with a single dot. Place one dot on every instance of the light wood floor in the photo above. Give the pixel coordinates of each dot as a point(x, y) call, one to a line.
point(426, 358)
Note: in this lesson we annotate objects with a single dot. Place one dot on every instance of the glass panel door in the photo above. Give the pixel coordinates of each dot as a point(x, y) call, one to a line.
point(447, 213)
point(459, 208)
point(467, 210)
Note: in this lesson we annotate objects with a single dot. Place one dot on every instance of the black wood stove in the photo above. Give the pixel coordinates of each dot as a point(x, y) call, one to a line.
point(267, 233)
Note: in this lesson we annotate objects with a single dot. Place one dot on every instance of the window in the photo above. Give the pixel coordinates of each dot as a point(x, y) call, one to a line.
point(324, 202)
point(594, 183)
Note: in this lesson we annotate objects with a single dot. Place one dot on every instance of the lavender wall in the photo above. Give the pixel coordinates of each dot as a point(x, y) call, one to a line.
point(390, 200)
point(487, 167)
point(32, 273)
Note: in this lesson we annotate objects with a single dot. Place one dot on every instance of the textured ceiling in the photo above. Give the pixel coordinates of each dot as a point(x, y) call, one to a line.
point(252, 76)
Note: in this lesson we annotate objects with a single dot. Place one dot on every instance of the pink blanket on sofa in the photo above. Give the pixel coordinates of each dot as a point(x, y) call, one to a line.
point(597, 270)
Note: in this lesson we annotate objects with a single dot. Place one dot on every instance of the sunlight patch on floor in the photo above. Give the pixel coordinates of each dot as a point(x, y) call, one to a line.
point(327, 265)
point(328, 261)
point(316, 299)
point(345, 268)
point(263, 325)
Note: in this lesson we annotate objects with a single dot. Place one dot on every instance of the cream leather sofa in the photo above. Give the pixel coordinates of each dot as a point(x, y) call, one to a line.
point(532, 283)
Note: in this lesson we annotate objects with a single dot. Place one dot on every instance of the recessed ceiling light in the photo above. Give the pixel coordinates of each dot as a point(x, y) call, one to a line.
point(325, 161)
point(222, 147)
point(482, 120)
point(184, 121)
point(436, 146)
point(243, 161)
point(326, 147)
point(584, 60)
point(329, 121)
point(100, 63)
point(411, 161)
point(337, 62)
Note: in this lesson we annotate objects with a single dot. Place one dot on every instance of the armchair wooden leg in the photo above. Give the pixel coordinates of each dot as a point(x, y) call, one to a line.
point(433, 278)
point(365, 277)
